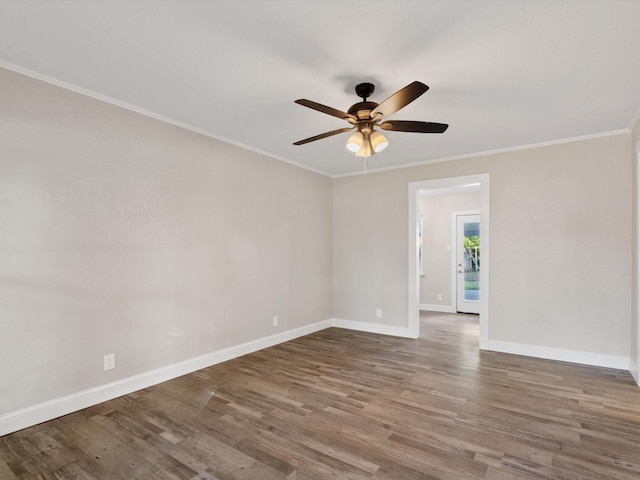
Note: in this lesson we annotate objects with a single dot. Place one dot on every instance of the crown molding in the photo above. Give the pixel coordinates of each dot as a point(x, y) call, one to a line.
point(492, 152)
point(162, 118)
point(147, 113)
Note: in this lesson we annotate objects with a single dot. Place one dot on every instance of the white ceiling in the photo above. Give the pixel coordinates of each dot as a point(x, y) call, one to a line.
point(503, 74)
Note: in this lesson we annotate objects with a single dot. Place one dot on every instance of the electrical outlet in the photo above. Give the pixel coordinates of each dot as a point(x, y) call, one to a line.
point(378, 313)
point(439, 296)
point(110, 361)
point(275, 321)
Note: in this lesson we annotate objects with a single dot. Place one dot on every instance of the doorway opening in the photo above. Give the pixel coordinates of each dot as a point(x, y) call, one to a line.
point(481, 275)
point(635, 340)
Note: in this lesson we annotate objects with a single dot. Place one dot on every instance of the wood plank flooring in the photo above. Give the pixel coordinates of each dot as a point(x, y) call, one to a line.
point(347, 405)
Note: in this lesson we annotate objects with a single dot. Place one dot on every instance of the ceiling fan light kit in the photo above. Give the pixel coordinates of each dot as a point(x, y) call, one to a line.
point(364, 144)
point(378, 141)
point(364, 116)
point(355, 142)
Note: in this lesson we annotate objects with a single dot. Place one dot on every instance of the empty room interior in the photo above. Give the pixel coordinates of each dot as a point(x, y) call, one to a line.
point(319, 239)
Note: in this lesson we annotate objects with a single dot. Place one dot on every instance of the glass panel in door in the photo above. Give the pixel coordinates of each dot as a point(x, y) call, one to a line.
point(468, 263)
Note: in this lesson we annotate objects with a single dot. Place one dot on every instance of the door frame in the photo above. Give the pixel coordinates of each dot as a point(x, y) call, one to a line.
point(634, 364)
point(454, 260)
point(414, 277)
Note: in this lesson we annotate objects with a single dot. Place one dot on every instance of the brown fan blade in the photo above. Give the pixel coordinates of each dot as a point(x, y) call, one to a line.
point(324, 109)
point(323, 135)
point(400, 99)
point(411, 126)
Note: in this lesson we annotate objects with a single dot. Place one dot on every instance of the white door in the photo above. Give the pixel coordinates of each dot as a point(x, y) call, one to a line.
point(468, 263)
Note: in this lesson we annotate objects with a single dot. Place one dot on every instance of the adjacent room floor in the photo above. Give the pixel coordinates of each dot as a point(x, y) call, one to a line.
point(348, 405)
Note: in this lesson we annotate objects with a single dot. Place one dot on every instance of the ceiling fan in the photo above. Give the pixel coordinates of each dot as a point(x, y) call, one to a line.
point(365, 116)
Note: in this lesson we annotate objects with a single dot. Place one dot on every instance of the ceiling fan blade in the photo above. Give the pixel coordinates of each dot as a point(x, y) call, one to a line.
point(323, 135)
point(324, 109)
point(400, 99)
point(412, 126)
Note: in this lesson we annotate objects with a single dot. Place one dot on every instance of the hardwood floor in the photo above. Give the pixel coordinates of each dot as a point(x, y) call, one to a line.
point(347, 405)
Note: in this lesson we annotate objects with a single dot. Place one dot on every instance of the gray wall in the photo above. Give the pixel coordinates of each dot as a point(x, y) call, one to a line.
point(122, 234)
point(560, 244)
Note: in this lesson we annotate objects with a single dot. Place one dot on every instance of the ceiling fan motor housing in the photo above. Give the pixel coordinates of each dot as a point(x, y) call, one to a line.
point(362, 110)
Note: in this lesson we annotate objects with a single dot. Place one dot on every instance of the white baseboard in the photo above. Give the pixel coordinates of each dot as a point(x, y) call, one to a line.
point(572, 356)
point(634, 368)
point(373, 328)
point(437, 308)
point(33, 415)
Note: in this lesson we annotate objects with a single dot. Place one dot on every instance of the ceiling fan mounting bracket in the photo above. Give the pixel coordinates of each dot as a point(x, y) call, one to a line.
point(364, 90)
